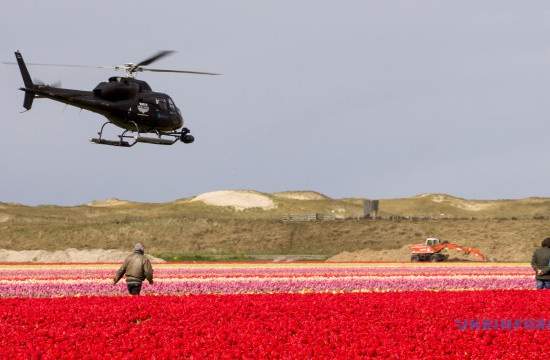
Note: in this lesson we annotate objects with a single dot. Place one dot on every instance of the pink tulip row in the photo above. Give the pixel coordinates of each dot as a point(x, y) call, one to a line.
point(181, 271)
point(234, 279)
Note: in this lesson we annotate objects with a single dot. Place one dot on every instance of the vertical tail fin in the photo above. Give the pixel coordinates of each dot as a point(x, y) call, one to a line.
point(29, 86)
point(24, 72)
point(27, 101)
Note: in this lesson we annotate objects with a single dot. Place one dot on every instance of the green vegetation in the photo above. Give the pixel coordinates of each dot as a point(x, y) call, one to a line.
point(186, 257)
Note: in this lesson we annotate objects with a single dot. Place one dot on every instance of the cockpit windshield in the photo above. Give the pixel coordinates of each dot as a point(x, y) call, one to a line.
point(171, 105)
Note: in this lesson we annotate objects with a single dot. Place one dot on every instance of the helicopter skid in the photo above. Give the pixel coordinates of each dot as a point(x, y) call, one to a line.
point(111, 142)
point(130, 140)
point(156, 141)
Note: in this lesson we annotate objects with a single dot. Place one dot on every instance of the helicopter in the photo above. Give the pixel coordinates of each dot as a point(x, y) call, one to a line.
point(126, 102)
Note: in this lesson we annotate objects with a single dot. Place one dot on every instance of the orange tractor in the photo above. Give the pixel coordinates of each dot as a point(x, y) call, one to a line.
point(433, 250)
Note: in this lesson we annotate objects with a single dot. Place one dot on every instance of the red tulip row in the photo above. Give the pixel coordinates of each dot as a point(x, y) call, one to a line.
point(406, 325)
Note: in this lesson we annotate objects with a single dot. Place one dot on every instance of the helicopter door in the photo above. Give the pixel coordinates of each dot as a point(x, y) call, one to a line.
point(143, 108)
point(147, 106)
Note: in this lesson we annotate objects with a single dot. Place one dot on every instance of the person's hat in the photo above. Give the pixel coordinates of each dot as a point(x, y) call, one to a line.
point(139, 247)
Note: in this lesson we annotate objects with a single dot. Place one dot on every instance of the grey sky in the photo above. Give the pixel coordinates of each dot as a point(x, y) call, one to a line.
point(350, 98)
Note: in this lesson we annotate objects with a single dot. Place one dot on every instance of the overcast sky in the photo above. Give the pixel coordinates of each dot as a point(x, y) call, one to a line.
point(351, 98)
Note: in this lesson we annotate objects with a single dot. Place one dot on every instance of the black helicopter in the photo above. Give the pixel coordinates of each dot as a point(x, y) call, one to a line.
point(125, 101)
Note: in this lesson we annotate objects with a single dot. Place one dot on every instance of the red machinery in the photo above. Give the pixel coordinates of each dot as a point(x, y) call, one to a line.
point(432, 250)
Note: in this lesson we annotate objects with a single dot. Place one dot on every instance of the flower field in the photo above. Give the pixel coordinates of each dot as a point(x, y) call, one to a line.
point(184, 279)
point(295, 310)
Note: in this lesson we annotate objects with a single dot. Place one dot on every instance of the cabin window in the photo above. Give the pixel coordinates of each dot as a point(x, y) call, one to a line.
point(162, 104)
point(171, 105)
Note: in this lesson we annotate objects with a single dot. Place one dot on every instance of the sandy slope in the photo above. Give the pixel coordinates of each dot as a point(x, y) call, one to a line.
point(68, 255)
point(238, 199)
point(401, 254)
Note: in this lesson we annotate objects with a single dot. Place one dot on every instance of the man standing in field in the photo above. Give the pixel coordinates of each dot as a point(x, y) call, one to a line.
point(137, 268)
point(540, 262)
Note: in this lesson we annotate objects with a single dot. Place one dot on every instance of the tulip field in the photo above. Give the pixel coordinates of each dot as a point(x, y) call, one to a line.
point(275, 310)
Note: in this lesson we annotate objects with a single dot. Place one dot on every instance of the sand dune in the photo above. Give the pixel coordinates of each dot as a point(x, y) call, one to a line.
point(238, 199)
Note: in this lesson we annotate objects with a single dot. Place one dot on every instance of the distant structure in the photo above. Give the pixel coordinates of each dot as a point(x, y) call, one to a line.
point(370, 209)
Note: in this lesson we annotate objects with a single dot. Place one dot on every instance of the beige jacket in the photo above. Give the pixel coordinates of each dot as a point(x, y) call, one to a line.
point(136, 267)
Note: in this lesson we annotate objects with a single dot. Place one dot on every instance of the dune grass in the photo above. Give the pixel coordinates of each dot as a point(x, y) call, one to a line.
point(182, 230)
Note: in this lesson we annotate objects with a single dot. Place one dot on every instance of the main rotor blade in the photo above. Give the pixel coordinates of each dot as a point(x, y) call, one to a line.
point(154, 58)
point(178, 71)
point(60, 65)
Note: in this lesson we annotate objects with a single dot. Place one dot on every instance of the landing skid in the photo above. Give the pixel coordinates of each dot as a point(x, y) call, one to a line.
point(126, 140)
